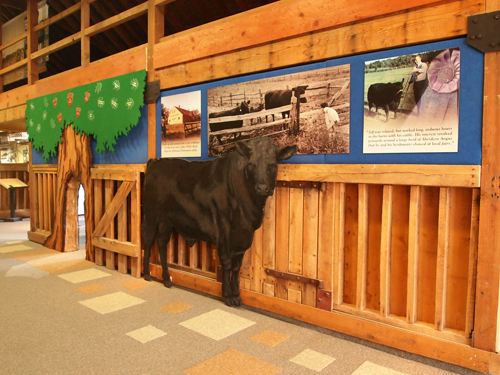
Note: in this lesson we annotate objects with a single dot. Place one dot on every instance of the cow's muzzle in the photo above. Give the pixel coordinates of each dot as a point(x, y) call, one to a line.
point(263, 189)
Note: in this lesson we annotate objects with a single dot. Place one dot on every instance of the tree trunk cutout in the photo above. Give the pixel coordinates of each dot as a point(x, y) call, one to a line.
point(74, 163)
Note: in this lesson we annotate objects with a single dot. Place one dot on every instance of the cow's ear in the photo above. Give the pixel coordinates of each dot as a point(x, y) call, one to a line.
point(287, 152)
point(243, 149)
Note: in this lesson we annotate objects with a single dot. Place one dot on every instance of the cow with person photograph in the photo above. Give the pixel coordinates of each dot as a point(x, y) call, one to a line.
point(287, 108)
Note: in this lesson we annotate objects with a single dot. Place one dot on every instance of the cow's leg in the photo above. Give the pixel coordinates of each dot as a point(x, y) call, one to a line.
point(225, 262)
point(236, 261)
point(386, 108)
point(164, 233)
point(148, 239)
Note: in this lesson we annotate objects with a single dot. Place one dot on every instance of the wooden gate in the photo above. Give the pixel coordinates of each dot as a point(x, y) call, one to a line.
point(19, 171)
point(42, 201)
point(117, 212)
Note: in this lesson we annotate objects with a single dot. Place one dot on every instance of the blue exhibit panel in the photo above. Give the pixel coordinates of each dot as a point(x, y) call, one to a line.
point(470, 108)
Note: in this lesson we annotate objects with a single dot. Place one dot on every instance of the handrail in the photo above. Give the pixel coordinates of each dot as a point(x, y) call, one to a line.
point(14, 40)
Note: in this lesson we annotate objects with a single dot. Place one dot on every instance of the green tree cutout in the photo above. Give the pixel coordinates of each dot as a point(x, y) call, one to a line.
point(104, 110)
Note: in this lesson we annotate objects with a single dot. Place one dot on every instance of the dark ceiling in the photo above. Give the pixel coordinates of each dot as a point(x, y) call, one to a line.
point(180, 15)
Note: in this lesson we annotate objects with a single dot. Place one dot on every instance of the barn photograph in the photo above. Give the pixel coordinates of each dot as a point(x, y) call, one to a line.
point(310, 109)
point(412, 102)
point(181, 125)
point(250, 187)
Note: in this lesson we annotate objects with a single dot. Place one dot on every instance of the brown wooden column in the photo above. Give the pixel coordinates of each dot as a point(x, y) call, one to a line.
point(32, 41)
point(486, 327)
point(85, 40)
point(1, 77)
point(156, 30)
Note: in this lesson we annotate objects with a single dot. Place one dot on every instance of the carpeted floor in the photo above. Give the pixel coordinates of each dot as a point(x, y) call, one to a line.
point(60, 314)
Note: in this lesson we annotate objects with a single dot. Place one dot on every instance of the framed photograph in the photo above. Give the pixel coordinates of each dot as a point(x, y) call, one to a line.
point(411, 103)
point(181, 125)
point(310, 109)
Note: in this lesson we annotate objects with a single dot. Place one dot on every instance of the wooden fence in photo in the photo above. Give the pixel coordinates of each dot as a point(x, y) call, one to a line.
point(395, 245)
point(19, 171)
point(43, 180)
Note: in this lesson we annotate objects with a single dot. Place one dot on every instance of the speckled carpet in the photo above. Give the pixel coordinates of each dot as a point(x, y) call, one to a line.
point(60, 314)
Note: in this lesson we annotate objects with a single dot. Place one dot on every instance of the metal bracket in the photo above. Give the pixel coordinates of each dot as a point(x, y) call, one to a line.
point(483, 31)
point(294, 277)
point(299, 184)
point(324, 300)
point(152, 92)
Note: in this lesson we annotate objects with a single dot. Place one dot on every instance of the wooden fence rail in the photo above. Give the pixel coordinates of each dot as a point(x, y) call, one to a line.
point(42, 193)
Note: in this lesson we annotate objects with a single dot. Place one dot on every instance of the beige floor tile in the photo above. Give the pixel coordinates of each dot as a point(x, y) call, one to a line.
point(91, 288)
point(135, 285)
point(66, 266)
point(34, 255)
point(13, 248)
point(369, 368)
point(312, 360)
point(84, 275)
point(176, 307)
point(112, 302)
point(269, 338)
point(146, 334)
point(217, 324)
point(233, 362)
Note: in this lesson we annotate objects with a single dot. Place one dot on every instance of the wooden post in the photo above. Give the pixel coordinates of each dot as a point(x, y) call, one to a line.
point(32, 41)
point(156, 30)
point(85, 40)
point(486, 328)
point(1, 77)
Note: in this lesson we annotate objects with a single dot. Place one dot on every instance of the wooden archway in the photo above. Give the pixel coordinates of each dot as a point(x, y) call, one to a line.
point(74, 163)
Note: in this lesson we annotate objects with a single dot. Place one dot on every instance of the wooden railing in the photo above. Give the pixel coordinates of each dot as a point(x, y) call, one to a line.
point(19, 171)
point(399, 248)
point(43, 196)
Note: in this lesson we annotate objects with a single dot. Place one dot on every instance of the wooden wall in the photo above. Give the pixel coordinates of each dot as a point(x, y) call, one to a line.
point(367, 231)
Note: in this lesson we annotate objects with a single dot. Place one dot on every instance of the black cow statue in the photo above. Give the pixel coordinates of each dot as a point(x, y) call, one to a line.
point(220, 201)
point(386, 96)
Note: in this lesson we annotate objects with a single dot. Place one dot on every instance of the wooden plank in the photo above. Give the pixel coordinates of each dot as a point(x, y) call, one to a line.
point(472, 264)
point(32, 40)
point(432, 347)
point(428, 247)
point(106, 225)
point(113, 246)
point(113, 21)
point(13, 41)
point(98, 254)
point(339, 243)
point(350, 244)
point(14, 66)
point(488, 263)
point(282, 230)
point(362, 267)
point(57, 46)
point(182, 250)
point(59, 16)
point(242, 30)
point(294, 295)
point(113, 174)
point(413, 253)
point(373, 257)
point(400, 250)
point(122, 228)
point(444, 20)
point(295, 260)
point(84, 40)
point(40, 208)
point(269, 234)
point(135, 225)
point(113, 204)
point(206, 255)
point(310, 243)
point(46, 206)
point(385, 251)
point(39, 236)
point(256, 271)
point(326, 235)
point(50, 199)
point(385, 174)
point(442, 257)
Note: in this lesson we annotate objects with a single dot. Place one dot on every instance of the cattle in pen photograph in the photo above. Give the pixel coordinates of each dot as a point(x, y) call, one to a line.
point(309, 109)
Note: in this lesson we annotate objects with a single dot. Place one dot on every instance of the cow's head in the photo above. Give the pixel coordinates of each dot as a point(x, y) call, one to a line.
point(260, 158)
point(244, 107)
point(398, 88)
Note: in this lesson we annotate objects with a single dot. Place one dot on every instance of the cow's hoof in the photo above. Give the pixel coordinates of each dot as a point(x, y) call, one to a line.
point(147, 277)
point(167, 283)
point(236, 301)
point(228, 301)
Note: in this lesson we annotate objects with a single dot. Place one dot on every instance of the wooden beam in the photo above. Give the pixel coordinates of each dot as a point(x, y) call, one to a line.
point(14, 66)
point(288, 19)
point(32, 42)
point(13, 41)
point(386, 174)
point(117, 20)
point(385, 250)
point(84, 40)
point(413, 254)
point(486, 327)
point(66, 42)
point(425, 24)
point(116, 246)
point(59, 16)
